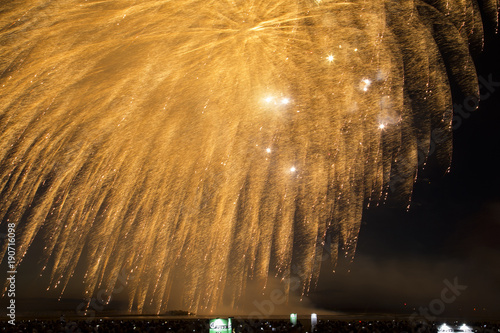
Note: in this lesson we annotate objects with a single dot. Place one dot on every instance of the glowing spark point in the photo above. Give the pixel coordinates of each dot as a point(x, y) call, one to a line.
point(365, 84)
point(292, 169)
point(268, 99)
point(330, 58)
point(285, 101)
point(381, 126)
point(268, 150)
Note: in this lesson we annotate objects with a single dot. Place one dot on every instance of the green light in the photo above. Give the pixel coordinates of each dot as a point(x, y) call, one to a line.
point(220, 326)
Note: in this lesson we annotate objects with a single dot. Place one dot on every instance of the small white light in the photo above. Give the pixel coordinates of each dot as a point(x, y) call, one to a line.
point(268, 150)
point(292, 169)
point(381, 126)
point(285, 101)
point(268, 99)
point(330, 58)
point(365, 84)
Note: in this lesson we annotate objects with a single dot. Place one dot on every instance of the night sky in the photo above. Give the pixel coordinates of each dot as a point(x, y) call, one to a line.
point(403, 257)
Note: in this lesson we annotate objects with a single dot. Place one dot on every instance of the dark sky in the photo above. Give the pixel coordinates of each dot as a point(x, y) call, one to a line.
point(451, 230)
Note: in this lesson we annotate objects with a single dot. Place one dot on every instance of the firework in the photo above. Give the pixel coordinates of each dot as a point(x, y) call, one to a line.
point(213, 142)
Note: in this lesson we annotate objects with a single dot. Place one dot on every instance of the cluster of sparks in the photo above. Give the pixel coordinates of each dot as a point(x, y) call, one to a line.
point(200, 144)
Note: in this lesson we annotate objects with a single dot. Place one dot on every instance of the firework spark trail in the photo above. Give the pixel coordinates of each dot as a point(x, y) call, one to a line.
point(156, 135)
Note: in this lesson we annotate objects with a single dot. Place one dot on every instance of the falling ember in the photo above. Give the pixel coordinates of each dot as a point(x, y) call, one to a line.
point(129, 132)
